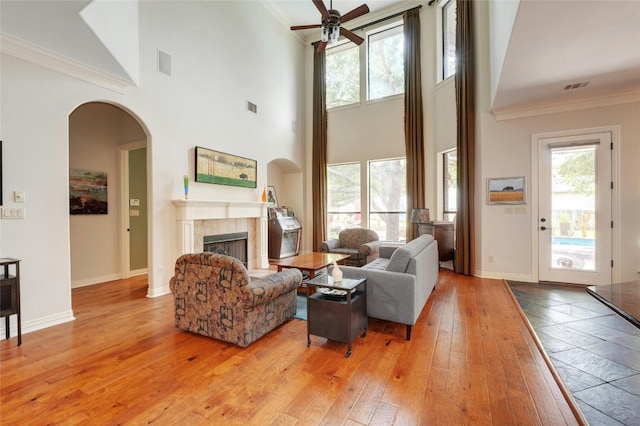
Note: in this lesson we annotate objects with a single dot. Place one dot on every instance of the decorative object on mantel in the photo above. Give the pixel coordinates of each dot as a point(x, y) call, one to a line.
point(336, 273)
point(264, 194)
point(271, 195)
point(225, 169)
point(186, 186)
point(420, 217)
point(87, 192)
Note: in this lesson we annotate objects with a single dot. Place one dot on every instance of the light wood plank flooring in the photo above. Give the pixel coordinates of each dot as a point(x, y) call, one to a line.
point(471, 360)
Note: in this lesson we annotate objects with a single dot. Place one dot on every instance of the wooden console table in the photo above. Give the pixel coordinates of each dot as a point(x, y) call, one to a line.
point(443, 233)
point(10, 294)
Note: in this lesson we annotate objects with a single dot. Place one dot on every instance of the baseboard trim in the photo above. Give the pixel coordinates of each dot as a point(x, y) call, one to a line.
point(157, 292)
point(138, 272)
point(502, 276)
point(38, 323)
point(94, 280)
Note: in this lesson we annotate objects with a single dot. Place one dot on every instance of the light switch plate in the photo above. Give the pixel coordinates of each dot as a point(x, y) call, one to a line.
point(18, 197)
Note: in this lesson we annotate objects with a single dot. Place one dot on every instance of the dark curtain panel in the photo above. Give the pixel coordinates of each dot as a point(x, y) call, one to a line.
point(319, 160)
point(465, 107)
point(413, 117)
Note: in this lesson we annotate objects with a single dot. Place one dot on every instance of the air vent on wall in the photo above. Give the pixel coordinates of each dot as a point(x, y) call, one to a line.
point(574, 86)
point(164, 62)
point(252, 107)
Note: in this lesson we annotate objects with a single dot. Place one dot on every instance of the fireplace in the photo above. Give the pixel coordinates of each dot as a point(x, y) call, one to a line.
point(197, 218)
point(234, 245)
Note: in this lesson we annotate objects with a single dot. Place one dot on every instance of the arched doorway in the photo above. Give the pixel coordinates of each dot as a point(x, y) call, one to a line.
point(106, 140)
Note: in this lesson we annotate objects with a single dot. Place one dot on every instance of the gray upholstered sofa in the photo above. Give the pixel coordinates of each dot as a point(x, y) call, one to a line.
point(400, 281)
point(360, 244)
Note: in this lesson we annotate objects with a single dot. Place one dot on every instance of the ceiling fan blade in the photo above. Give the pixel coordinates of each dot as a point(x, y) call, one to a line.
point(351, 36)
point(358, 11)
point(305, 27)
point(321, 7)
point(321, 46)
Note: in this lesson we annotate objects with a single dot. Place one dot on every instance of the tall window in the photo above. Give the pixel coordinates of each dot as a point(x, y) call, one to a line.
point(350, 79)
point(450, 184)
point(343, 197)
point(388, 199)
point(385, 63)
point(343, 75)
point(448, 39)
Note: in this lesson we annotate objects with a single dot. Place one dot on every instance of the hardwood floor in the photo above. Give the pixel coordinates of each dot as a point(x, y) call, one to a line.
point(471, 360)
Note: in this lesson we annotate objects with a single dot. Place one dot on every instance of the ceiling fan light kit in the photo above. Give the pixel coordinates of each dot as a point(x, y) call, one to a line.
point(330, 28)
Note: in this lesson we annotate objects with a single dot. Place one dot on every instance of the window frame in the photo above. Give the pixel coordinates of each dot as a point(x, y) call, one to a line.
point(394, 26)
point(370, 210)
point(340, 47)
point(444, 183)
point(359, 199)
point(364, 68)
point(441, 40)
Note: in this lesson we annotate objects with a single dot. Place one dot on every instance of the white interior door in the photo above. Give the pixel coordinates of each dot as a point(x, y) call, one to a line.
point(575, 215)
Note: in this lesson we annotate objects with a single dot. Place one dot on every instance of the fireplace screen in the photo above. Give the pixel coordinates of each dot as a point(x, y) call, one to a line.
point(234, 245)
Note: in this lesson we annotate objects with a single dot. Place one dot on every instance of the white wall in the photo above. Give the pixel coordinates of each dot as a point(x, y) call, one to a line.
point(202, 103)
point(504, 149)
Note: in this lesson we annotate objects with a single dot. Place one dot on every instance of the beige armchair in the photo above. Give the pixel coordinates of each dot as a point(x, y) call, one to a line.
point(360, 244)
point(215, 297)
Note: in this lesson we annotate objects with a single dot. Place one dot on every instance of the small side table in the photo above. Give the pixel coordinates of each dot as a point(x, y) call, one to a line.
point(337, 317)
point(10, 294)
point(443, 233)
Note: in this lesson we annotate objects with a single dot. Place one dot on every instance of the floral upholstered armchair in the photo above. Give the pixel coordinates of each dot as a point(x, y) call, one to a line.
point(214, 296)
point(360, 244)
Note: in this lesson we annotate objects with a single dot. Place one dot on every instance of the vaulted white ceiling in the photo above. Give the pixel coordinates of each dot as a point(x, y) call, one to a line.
point(552, 44)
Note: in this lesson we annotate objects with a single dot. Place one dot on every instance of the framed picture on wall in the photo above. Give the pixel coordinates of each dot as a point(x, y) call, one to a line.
point(271, 195)
point(87, 192)
point(509, 190)
point(225, 169)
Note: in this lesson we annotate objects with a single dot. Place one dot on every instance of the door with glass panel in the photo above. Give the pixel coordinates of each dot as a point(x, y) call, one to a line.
point(574, 218)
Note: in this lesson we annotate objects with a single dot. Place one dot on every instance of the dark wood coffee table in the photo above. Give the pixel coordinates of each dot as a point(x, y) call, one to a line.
point(310, 262)
point(622, 298)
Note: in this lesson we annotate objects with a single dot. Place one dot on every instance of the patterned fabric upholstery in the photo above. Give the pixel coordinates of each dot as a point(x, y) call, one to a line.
point(360, 244)
point(214, 296)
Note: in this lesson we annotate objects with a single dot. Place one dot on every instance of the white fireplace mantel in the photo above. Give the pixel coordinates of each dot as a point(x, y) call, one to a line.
point(190, 210)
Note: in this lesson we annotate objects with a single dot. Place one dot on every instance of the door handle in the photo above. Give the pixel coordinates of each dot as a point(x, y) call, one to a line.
point(544, 228)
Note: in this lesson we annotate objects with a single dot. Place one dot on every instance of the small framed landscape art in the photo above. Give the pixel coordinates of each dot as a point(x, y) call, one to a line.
point(510, 190)
point(271, 195)
point(87, 192)
point(225, 169)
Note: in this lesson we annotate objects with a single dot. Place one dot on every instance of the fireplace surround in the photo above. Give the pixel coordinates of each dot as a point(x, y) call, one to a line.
point(197, 218)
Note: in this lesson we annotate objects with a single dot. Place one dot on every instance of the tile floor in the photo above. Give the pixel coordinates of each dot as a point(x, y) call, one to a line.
point(595, 351)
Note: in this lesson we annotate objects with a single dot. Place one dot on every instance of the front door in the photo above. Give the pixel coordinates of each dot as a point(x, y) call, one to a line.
point(574, 208)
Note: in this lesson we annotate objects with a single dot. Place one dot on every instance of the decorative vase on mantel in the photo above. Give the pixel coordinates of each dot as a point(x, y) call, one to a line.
point(336, 273)
point(264, 195)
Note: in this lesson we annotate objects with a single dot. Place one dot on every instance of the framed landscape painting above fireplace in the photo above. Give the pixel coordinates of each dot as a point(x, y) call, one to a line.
point(225, 169)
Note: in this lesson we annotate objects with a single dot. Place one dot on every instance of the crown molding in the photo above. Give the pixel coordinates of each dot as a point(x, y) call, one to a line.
point(603, 101)
point(21, 49)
